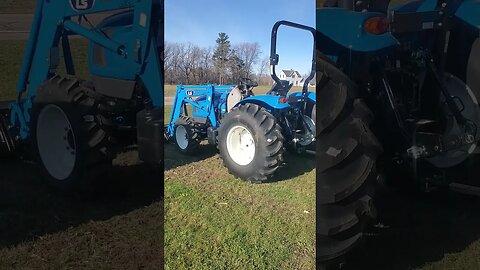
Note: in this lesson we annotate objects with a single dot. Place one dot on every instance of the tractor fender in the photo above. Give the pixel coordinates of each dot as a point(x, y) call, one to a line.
point(468, 11)
point(268, 102)
point(339, 28)
point(310, 96)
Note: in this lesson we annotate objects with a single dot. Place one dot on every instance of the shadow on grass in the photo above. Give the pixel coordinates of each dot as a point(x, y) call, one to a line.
point(295, 165)
point(174, 158)
point(29, 208)
point(420, 228)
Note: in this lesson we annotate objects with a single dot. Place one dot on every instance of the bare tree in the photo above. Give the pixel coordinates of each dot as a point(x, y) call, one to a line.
point(186, 63)
point(206, 66)
point(172, 63)
point(264, 72)
point(249, 54)
point(167, 55)
point(191, 61)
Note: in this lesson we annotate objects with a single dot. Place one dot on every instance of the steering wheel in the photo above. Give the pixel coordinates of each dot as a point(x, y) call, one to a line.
point(248, 82)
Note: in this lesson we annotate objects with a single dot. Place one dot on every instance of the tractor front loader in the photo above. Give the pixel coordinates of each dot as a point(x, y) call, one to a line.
point(75, 127)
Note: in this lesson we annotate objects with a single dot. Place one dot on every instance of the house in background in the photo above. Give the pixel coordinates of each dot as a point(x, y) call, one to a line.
point(312, 83)
point(292, 76)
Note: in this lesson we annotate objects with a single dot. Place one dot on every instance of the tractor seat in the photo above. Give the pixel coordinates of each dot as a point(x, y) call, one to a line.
point(233, 98)
point(280, 89)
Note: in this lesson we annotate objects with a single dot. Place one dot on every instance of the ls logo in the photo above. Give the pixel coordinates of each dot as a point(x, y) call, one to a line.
point(82, 4)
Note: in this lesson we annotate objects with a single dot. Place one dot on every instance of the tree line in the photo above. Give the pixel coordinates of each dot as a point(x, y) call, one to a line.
point(225, 63)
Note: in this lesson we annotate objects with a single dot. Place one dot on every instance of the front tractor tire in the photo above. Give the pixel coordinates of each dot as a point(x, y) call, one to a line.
point(186, 135)
point(347, 153)
point(251, 143)
point(66, 135)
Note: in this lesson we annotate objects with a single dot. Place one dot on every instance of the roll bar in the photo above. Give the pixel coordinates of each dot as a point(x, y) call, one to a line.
point(274, 57)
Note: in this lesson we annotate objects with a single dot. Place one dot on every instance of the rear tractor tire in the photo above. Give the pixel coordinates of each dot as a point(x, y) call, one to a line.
point(347, 152)
point(67, 136)
point(251, 143)
point(186, 135)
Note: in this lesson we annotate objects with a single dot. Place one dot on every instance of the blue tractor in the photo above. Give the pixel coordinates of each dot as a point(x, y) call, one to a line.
point(398, 91)
point(251, 131)
point(73, 126)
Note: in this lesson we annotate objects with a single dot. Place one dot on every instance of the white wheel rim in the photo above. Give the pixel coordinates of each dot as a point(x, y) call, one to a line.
point(240, 145)
point(181, 137)
point(56, 142)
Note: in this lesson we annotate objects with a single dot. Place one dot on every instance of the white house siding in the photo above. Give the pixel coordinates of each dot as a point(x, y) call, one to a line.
point(292, 76)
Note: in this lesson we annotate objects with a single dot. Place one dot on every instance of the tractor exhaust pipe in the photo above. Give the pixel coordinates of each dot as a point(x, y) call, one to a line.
point(7, 142)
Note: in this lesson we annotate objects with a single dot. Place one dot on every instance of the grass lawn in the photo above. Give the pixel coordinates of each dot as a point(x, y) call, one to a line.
point(11, 53)
point(214, 221)
point(119, 228)
point(17, 6)
point(11, 56)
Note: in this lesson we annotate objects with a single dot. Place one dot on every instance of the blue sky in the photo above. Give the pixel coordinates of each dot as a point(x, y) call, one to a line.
point(200, 21)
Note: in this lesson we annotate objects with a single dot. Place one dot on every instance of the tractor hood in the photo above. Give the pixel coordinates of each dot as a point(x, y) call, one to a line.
point(469, 12)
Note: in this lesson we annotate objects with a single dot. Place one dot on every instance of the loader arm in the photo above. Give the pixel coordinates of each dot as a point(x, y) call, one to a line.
point(54, 22)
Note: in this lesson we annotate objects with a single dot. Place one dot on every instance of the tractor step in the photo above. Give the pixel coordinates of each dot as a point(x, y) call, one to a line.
point(465, 189)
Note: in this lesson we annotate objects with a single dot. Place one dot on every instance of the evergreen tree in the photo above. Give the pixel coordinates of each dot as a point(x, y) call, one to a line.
point(221, 56)
point(236, 67)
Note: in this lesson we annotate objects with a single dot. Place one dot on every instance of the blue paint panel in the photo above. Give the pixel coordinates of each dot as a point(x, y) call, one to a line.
point(345, 28)
point(427, 5)
point(115, 66)
point(311, 95)
point(204, 100)
point(270, 102)
point(469, 12)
